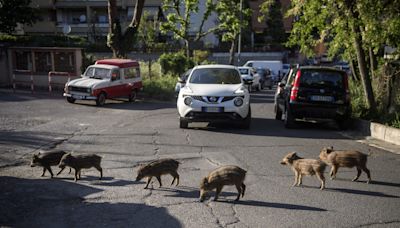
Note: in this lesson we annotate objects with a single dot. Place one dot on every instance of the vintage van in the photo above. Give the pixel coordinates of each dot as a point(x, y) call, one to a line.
point(107, 78)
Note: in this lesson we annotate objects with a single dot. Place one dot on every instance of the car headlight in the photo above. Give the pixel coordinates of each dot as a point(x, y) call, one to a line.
point(89, 90)
point(238, 101)
point(241, 90)
point(187, 100)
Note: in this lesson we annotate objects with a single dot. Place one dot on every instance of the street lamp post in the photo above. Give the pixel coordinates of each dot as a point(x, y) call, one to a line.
point(240, 32)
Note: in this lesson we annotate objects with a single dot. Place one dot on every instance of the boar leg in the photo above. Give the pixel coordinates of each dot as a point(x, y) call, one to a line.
point(76, 175)
point(243, 189)
point(358, 174)
point(239, 189)
point(159, 180)
point(44, 171)
point(176, 176)
point(100, 170)
point(296, 177)
point(62, 170)
point(148, 182)
point(217, 192)
point(300, 179)
point(321, 177)
point(334, 171)
point(368, 173)
point(51, 172)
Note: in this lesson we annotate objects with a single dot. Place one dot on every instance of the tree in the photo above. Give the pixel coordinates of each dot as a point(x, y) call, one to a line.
point(147, 32)
point(229, 16)
point(178, 22)
point(121, 42)
point(13, 12)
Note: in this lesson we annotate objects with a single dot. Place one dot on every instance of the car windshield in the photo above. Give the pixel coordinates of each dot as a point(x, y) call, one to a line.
point(243, 71)
point(97, 72)
point(215, 76)
point(321, 79)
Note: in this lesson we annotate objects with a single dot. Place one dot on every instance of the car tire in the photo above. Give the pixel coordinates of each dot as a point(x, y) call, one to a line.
point(101, 99)
point(71, 100)
point(183, 123)
point(278, 113)
point(289, 119)
point(246, 122)
point(132, 95)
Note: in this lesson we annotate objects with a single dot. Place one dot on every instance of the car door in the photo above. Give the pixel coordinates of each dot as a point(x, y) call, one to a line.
point(115, 85)
point(283, 92)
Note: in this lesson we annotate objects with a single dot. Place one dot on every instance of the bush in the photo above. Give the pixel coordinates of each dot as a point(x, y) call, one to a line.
point(175, 63)
point(162, 88)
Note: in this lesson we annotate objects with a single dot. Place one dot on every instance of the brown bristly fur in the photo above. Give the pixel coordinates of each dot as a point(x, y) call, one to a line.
point(157, 169)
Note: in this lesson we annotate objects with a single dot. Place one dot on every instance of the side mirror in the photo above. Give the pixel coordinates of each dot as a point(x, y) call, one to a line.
point(181, 80)
point(281, 84)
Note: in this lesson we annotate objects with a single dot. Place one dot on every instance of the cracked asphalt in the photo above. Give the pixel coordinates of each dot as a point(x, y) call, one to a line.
point(129, 134)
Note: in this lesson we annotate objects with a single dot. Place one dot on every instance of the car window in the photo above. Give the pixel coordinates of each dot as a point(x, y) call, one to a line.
point(116, 73)
point(243, 71)
point(321, 79)
point(97, 72)
point(215, 76)
point(290, 77)
point(131, 72)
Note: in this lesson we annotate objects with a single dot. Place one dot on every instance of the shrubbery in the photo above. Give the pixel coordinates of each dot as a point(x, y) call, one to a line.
point(175, 63)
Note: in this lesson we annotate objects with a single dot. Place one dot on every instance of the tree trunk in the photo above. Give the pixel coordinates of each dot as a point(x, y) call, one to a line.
point(121, 43)
point(232, 52)
point(354, 70)
point(372, 62)
point(362, 65)
point(188, 46)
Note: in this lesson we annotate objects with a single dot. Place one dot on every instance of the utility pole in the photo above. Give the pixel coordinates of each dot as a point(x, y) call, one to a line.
point(240, 32)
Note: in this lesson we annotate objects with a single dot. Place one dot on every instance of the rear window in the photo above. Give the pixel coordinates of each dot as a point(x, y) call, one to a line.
point(321, 79)
point(215, 76)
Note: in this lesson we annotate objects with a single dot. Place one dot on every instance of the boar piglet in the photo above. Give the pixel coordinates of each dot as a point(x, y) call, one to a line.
point(225, 175)
point(158, 168)
point(301, 166)
point(345, 158)
point(47, 159)
point(78, 162)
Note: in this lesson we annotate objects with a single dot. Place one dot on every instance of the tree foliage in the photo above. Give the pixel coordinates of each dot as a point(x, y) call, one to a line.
point(13, 12)
point(354, 30)
point(232, 20)
point(178, 20)
point(147, 32)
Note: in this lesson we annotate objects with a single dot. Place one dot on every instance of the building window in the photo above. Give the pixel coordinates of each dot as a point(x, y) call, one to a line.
point(23, 60)
point(64, 61)
point(43, 62)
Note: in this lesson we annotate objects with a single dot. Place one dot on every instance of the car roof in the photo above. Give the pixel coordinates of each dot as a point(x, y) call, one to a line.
point(104, 66)
point(245, 67)
point(122, 63)
point(320, 68)
point(215, 66)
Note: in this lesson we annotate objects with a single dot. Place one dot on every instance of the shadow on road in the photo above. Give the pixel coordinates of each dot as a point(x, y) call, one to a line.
point(385, 183)
point(57, 203)
point(190, 192)
point(361, 192)
point(275, 205)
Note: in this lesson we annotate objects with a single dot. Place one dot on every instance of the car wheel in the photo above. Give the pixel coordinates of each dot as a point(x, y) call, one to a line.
point(278, 113)
point(246, 121)
point(289, 118)
point(101, 99)
point(71, 100)
point(132, 96)
point(183, 123)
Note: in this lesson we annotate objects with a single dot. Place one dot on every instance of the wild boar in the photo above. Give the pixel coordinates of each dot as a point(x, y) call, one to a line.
point(47, 159)
point(78, 162)
point(345, 158)
point(301, 166)
point(158, 168)
point(218, 178)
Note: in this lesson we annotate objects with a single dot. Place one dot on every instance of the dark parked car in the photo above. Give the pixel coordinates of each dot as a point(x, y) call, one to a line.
point(310, 92)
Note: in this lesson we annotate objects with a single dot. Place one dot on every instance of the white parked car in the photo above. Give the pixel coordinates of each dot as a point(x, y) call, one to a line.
point(214, 93)
point(250, 78)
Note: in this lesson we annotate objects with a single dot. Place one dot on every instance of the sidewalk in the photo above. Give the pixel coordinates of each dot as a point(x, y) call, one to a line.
point(375, 135)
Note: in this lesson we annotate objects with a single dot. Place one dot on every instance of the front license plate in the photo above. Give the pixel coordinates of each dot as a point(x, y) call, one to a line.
point(212, 109)
point(79, 97)
point(322, 98)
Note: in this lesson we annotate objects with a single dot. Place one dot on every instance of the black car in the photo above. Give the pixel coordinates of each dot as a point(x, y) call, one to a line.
point(309, 92)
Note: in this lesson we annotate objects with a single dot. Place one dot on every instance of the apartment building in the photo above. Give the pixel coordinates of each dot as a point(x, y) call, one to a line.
point(88, 18)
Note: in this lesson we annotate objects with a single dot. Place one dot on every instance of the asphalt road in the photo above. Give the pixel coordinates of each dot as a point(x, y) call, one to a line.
point(129, 134)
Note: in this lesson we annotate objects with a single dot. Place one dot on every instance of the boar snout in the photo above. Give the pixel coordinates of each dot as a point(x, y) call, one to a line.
point(283, 163)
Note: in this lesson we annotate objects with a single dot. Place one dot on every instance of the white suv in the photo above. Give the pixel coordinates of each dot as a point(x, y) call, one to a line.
point(214, 93)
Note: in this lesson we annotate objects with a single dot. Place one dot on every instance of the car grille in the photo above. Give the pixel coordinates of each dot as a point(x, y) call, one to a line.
point(207, 99)
point(229, 98)
point(199, 98)
point(78, 89)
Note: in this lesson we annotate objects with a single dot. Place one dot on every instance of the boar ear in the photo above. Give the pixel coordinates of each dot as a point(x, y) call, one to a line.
point(204, 182)
point(329, 149)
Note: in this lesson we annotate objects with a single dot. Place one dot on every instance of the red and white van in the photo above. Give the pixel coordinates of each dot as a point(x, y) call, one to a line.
point(107, 78)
